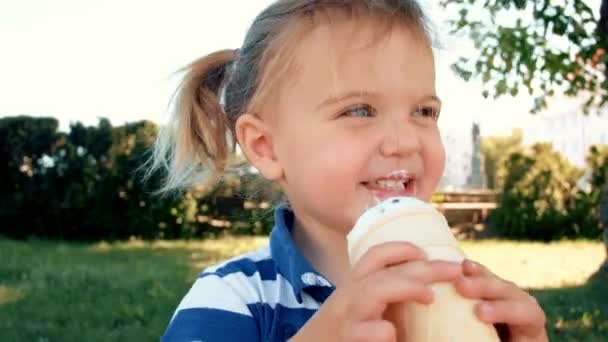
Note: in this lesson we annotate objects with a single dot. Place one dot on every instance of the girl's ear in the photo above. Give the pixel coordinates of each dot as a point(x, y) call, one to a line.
point(256, 141)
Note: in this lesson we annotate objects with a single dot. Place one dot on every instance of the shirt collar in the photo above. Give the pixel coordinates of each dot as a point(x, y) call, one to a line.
point(289, 259)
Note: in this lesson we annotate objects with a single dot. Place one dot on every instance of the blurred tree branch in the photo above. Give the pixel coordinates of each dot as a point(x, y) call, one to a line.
point(543, 47)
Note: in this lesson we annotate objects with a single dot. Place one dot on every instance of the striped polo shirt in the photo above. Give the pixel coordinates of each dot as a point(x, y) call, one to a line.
point(266, 295)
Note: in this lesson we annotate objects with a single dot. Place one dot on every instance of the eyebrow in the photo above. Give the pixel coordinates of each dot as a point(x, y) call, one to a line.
point(362, 93)
point(345, 96)
point(434, 98)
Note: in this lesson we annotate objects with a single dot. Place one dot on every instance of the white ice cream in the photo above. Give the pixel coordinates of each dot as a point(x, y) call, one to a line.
point(450, 317)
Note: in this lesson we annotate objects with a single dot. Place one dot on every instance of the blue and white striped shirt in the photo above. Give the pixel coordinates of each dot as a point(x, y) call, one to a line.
point(266, 295)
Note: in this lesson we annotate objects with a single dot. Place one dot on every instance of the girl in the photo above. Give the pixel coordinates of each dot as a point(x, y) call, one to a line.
point(334, 100)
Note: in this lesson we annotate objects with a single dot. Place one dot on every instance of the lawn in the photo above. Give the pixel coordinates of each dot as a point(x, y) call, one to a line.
point(55, 291)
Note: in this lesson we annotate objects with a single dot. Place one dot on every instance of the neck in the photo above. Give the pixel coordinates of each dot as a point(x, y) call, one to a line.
point(325, 249)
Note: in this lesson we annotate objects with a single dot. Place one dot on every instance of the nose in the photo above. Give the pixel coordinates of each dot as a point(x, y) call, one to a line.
point(400, 138)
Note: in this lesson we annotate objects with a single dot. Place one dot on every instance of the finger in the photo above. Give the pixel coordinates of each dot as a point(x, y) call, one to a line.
point(472, 268)
point(488, 286)
point(429, 271)
point(406, 282)
point(387, 254)
point(381, 330)
point(524, 317)
point(384, 288)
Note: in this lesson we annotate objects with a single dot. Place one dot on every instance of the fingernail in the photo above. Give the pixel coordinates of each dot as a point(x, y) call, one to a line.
point(485, 311)
point(422, 255)
point(430, 297)
point(422, 251)
point(461, 283)
point(462, 279)
point(470, 267)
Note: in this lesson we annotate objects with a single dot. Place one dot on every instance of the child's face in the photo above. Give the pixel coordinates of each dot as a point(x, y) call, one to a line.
point(332, 151)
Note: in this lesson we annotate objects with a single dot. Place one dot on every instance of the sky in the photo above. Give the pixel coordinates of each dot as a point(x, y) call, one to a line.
point(81, 60)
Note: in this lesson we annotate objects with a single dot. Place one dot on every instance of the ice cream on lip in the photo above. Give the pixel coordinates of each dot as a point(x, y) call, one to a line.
point(395, 183)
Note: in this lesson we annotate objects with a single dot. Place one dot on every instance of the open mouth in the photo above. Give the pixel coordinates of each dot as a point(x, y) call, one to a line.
point(386, 187)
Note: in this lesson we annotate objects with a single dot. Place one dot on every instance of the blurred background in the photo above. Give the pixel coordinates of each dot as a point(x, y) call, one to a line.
point(87, 252)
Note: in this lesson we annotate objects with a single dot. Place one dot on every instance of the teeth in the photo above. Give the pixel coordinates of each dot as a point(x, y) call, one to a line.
point(391, 184)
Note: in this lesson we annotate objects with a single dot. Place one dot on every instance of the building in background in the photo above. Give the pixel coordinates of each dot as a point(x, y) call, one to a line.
point(458, 151)
point(570, 131)
point(476, 178)
point(563, 124)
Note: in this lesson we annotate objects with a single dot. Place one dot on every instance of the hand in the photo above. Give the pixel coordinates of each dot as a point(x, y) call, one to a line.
point(388, 273)
point(516, 314)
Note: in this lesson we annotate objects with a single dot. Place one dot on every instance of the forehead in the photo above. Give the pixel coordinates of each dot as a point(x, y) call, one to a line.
point(356, 54)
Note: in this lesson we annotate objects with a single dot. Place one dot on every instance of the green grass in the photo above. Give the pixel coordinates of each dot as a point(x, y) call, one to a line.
point(55, 291)
point(563, 276)
point(52, 291)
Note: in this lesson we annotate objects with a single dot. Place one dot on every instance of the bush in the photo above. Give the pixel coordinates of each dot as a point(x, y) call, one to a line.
point(495, 152)
point(82, 186)
point(597, 161)
point(540, 198)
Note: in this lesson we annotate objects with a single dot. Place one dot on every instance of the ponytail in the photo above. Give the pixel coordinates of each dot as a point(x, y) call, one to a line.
point(195, 146)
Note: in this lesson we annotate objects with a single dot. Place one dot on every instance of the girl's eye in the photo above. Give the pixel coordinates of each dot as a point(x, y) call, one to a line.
point(427, 112)
point(360, 111)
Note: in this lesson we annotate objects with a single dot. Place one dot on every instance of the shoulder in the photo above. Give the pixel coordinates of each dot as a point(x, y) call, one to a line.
point(245, 265)
point(218, 305)
point(232, 284)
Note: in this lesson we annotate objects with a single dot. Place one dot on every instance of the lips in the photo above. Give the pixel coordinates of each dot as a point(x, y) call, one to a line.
point(395, 184)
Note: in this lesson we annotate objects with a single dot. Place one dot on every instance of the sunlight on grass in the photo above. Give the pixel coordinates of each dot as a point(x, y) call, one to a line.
point(47, 288)
point(528, 264)
point(226, 245)
point(10, 295)
point(539, 265)
point(202, 253)
point(586, 320)
point(220, 250)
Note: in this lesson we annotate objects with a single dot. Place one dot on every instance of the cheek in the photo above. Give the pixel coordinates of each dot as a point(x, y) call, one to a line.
point(331, 161)
point(434, 163)
point(337, 159)
point(438, 159)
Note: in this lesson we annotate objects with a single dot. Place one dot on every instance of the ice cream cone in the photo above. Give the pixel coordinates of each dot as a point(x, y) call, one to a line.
point(450, 317)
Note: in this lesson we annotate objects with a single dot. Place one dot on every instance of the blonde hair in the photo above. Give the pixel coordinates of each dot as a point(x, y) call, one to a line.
point(198, 143)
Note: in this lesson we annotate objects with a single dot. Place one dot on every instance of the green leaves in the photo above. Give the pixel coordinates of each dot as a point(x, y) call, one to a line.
point(553, 47)
point(83, 185)
point(540, 199)
point(495, 151)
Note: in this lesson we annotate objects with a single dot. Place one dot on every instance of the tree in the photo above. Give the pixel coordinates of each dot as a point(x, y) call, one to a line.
point(597, 160)
point(495, 151)
point(604, 222)
point(538, 197)
point(85, 185)
point(24, 143)
point(544, 46)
